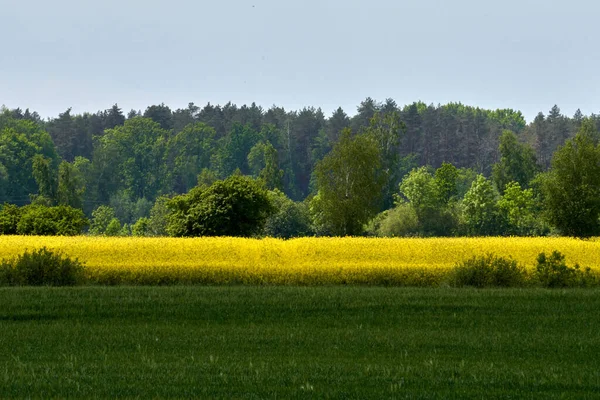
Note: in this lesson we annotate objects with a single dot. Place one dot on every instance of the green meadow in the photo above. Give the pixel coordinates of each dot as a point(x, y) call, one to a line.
point(299, 342)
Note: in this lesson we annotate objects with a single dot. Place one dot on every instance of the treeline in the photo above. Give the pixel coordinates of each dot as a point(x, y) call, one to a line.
point(130, 163)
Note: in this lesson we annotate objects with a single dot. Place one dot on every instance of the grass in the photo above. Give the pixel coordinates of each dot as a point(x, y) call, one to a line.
point(296, 342)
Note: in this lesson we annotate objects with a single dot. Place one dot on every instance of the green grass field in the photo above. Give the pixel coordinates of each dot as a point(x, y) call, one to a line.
point(287, 342)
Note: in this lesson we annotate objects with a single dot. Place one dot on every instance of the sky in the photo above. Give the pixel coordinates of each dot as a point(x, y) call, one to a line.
point(526, 55)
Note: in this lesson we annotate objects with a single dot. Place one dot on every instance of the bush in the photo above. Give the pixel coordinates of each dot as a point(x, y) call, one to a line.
point(69, 221)
point(488, 271)
point(113, 228)
point(9, 218)
point(399, 221)
point(101, 218)
point(42, 220)
point(125, 230)
point(236, 206)
point(141, 227)
point(553, 272)
point(41, 267)
point(291, 219)
point(36, 219)
point(159, 217)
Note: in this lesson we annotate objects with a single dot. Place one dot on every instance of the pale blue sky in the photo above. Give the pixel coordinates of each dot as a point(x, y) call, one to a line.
point(525, 54)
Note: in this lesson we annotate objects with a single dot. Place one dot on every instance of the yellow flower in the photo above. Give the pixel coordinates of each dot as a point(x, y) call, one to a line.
point(304, 261)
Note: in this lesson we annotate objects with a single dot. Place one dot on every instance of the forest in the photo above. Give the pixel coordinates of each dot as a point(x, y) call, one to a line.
point(388, 170)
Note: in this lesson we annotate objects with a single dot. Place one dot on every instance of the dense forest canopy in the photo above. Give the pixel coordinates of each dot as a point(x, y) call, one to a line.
point(129, 160)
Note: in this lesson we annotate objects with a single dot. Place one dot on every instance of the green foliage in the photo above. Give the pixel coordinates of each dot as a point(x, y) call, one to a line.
point(71, 135)
point(82, 173)
point(421, 190)
point(264, 163)
point(101, 218)
point(517, 163)
point(510, 119)
point(571, 189)
point(71, 185)
point(125, 230)
point(45, 177)
point(70, 221)
point(206, 177)
point(271, 174)
point(488, 271)
point(591, 128)
point(553, 272)
point(160, 114)
point(236, 206)
point(480, 212)
point(188, 153)
point(3, 180)
point(43, 220)
point(430, 197)
point(159, 217)
point(38, 200)
point(446, 179)
point(256, 158)
point(41, 267)
point(464, 181)
point(386, 128)
point(291, 219)
point(517, 209)
point(130, 157)
point(142, 158)
point(10, 215)
point(399, 221)
point(233, 150)
point(350, 185)
point(322, 144)
point(141, 227)
point(550, 271)
point(113, 228)
point(36, 220)
point(128, 210)
point(20, 142)
point(141, 208)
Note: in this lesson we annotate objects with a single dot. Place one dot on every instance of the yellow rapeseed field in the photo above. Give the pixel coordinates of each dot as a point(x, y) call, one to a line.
point(305, 261)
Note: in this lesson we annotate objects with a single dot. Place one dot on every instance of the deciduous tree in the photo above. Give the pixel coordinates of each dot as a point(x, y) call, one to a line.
point(572, 186)
point(350, 183)
point(480, 211)
point(236, 206)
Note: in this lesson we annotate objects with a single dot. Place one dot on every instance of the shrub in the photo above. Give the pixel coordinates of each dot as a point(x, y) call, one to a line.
point(36, 220)
point(9, 218)
point(236, 206)
point(42, 220)
point(488, 271)
point(291, 219)
point(141, 227)
point(125, 230)
point(400, 221)
point(70, 221)
point(41, 267)
point(159, 216)
point(553, 272)
point(101, 218)
point(113, 228)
